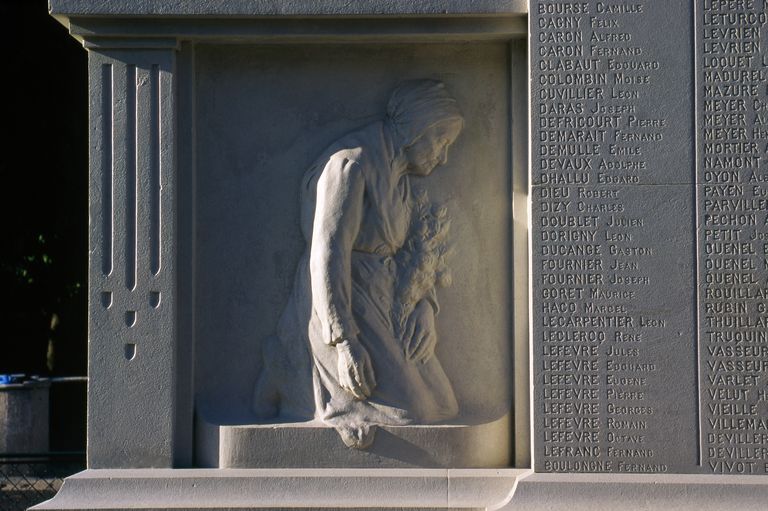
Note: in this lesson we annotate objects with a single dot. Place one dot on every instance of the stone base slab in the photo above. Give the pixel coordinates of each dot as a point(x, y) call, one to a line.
point(243, 489)
point(261, 446)
point(638, 492)
point(502, 489)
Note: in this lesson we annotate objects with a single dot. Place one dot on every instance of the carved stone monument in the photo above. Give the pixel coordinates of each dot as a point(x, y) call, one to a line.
point(392, 254)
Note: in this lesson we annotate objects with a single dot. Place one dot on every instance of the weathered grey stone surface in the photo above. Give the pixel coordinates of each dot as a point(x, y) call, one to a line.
point(636, 492)
point(649, 326)
point(403, 489)
point(732, 197)
point(135, 355)
point(646, 298)
point(285, 489)
point(274, 445)
point(170, 120)
point(239, 8)
point(613, 238)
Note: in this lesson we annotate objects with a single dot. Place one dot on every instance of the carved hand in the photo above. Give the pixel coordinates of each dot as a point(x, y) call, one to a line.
point(355, 369)
point(420, 336)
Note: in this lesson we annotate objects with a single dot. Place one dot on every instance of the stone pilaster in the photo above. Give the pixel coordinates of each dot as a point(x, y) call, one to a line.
point(132, 267)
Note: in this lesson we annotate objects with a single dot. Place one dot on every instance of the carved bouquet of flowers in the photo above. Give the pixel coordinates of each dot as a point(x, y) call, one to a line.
point(421, 262)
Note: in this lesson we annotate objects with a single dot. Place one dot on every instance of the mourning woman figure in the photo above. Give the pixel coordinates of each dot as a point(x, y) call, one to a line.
point(355, 346)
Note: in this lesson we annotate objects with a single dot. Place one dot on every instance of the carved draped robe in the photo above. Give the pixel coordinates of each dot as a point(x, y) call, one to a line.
point(356, 212)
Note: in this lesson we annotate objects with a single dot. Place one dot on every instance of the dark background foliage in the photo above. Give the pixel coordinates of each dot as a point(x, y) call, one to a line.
point(44, 169)
point(43, 163)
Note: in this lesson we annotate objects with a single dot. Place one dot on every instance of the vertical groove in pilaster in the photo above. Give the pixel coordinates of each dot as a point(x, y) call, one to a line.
point(131, 183)
point(166, 140)
point(155, 177)
point(107, 173)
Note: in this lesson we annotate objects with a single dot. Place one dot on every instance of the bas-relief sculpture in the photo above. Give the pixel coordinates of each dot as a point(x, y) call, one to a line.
point(251, 172)
point(355, 345)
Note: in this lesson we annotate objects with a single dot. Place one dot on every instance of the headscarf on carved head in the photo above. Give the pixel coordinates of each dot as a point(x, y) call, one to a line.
point(416, 105)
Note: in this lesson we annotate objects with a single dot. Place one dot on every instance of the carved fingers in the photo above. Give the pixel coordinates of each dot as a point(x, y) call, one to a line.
point(420, 337)
point(409, 333)
point(425, 347)
point(355, 369)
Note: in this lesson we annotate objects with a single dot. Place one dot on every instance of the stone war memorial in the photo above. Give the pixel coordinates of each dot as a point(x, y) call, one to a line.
point(426, 254)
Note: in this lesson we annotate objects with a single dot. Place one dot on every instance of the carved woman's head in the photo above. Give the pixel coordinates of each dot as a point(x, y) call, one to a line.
point(425, 120)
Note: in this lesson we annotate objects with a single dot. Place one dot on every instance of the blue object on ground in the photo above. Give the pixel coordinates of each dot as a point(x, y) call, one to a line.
point(6, 379)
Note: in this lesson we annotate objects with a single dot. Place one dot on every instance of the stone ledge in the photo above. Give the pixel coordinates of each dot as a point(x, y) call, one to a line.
point(216, 489)
point(638, 492)
point(503, 489)
point(258, 8)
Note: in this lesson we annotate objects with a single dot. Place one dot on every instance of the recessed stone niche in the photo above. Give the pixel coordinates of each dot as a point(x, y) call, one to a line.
point(263, 114)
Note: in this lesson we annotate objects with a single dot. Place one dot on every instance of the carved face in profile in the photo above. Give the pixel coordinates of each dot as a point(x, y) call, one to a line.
point(431, 148)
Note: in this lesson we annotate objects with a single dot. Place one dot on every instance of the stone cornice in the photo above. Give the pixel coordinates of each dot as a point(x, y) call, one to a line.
point(298, 8)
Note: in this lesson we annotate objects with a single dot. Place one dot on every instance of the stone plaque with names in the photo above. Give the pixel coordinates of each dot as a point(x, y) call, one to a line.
point(732, 235)
point(649, 236)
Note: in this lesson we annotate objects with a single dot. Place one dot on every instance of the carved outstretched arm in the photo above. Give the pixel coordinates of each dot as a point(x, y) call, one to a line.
point(338, 214)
